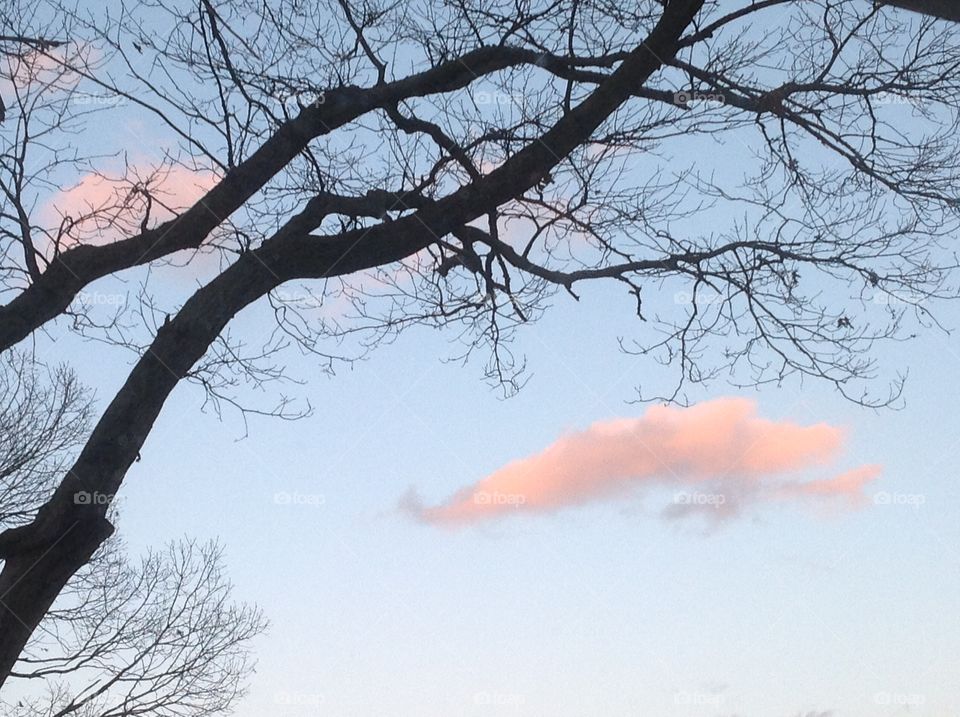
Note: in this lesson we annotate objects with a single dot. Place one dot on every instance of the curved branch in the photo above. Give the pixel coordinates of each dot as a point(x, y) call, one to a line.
point(39, 559)
point(74, 269)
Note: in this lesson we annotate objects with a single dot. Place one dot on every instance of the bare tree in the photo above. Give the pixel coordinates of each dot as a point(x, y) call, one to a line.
point(457, 164)
point(44, 416)
point(161, 637)
point(15, 46)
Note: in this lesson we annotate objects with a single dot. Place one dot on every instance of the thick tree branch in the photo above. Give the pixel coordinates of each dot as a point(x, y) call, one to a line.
point(75, 268)
point(945, 9)
point(41, 557)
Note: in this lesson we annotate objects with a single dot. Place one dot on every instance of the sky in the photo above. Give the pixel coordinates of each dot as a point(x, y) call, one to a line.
point(611, 606)
point(422, 546)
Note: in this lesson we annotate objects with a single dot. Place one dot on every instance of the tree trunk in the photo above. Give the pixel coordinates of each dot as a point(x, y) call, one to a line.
point(32, 579)
point(42, 556)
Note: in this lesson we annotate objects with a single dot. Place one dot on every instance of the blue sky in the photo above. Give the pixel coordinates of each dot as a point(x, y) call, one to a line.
point(605, 608)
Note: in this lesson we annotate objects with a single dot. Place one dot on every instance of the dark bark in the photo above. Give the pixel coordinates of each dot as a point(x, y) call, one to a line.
point(53, 290)
point(71, 271)
point(945, 9)
point(66, 533)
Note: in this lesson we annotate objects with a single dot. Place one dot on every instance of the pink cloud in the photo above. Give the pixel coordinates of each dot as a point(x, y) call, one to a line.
point(55, 68)
point(720, 453)
point(849, 484)
point(102, 209)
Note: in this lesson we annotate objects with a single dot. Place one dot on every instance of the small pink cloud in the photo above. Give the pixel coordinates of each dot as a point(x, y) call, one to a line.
point(720, 453)
point(54, 68)
point(100, 209)
point(848, 485)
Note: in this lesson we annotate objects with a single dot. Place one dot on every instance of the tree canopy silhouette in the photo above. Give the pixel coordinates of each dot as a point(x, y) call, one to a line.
point(460, 164)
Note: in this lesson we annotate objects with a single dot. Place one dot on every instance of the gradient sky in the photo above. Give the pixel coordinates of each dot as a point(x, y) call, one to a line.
point(597, 600)
point(608, 608)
